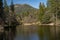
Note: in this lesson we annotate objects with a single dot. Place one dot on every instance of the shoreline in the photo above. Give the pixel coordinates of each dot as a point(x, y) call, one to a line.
point(37, 24)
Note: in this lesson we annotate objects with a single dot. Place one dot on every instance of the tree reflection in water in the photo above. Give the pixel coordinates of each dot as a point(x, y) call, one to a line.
point(1, 36)
point(8, 34)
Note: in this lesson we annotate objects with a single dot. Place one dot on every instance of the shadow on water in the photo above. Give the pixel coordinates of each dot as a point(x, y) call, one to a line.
point(58, 32)
point(26, 33)
point(33, 32)
point(44, 33)
point(8, 34)
point(1, 35)
point(49, 32)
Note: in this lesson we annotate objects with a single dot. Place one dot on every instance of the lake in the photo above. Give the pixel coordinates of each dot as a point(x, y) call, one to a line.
point(32, 32)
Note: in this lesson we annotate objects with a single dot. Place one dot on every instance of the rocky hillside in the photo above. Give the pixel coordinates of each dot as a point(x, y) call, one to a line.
point(26, 12)
point(20, 8)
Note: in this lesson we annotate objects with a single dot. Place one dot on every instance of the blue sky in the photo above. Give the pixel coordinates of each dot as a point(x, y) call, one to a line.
point(33, 3)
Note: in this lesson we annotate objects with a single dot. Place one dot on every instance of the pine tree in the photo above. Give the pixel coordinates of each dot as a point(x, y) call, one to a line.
point(54, 8)
point(13, 22)
point(54, 5)
point(1, 8)
point(12, 6)
point(6, 8)
point(41, 11)
point(6, 12)
point(1, 13)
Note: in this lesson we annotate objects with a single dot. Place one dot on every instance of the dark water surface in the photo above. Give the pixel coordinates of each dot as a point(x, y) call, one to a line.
point(32, 32)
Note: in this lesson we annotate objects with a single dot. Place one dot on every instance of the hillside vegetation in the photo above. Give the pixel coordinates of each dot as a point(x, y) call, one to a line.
point(26, 12)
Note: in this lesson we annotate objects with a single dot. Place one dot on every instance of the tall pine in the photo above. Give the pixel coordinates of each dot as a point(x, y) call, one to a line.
point(6, 8)
point(54, 8)
point(12, 6)
point(1, 13)
point(6, 12)
point(13, 20)
point(1, 8)
point(41, 11)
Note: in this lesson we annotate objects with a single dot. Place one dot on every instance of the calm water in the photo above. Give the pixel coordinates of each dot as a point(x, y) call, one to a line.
point(32, 32)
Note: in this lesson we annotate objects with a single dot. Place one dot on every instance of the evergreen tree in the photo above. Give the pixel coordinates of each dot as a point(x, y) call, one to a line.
point(12, 6)
point(41, 11)
point(1, 13)
point(52, 5)
point(1, 8)
point(54, 8)
point(6, 8)
point(6, 12)
point(13, 22)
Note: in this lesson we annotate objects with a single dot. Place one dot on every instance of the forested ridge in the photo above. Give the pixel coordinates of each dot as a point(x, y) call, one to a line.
point(45, 14)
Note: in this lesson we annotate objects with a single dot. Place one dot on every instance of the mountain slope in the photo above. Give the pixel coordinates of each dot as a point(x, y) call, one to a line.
point(22, 9)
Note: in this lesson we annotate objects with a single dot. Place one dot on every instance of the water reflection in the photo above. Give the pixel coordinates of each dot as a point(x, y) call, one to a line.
point(8, 34)
point(32, 32)
point(1, 36)
point(27, 37)
point(44, 33)
point(49, 32)
point(27, 33)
